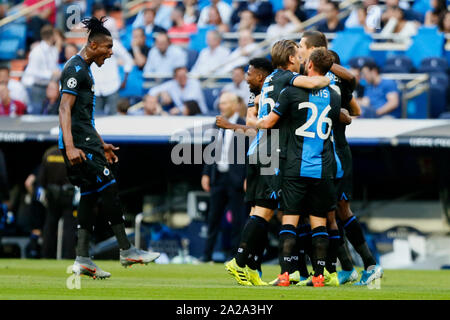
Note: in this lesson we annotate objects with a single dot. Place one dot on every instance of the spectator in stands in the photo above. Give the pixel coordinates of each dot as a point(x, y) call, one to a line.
point(180, 27)
point(191, 108)
point(444, 23)
point(190, 8)
point(373, 16)
point(262, 10)
point(122, 106)
point(381, 98)
point(152, 107)
point(70, 50)
point(139, 49)
point(8, 106)
point(294, 7)
point(285, 22)
point(38, 18)
point(225, 179)
point(99, 11)
point(387, 14)
point(332, 23)
point(399, 26)
point(162, 16)
point(51, 103)
point(164, 57)
point(42, 67)
point(214, 19)
point(60, 42)
point(174, 92)
point(107, 79)
point(239, 86)
point(16, 89)
point(247, 48)
point(438, 8)
point(212, 56)
point(225, 12)
point(248, 21)
point(149, 26)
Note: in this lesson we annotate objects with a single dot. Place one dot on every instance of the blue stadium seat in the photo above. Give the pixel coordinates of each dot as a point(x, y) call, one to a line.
point(15, 31)
point(8, 48)
point(438, 93)
point(198, 40)
point(398, 64)
point(359, 62)
point(134, 84)
point(428, 42)
point(211, 95)
point(433, 64)
point(192, 56)
point(352, 42)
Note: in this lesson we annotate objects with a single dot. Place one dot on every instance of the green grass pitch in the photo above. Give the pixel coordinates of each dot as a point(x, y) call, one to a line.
point(46, 280)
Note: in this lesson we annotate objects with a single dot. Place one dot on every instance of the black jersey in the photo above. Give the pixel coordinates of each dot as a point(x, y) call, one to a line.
point(77, 79)
point(309, 116)
point(272, 86)
point(342, 87)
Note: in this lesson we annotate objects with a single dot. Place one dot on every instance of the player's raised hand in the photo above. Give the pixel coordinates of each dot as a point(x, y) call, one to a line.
point(109, 153)
point(222, 122)
point(75, 156)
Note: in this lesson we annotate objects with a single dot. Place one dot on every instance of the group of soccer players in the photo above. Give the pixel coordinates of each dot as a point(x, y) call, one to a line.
point(308, 177)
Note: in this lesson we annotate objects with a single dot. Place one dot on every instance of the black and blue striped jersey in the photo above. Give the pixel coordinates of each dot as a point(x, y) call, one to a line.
point(308, 118)
point(77, 80)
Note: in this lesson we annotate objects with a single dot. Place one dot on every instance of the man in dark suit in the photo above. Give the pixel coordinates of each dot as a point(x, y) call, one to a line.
point(225, 178)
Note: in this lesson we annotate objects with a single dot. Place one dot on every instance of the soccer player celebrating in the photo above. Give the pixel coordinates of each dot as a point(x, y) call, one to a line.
point(311, 166)
point(88, 158)
point(264, 188)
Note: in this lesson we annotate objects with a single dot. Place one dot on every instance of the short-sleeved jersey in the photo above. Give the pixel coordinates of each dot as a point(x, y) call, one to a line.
point(309, 116)
point(342, 87)
point(76, 79)
point(272, 86)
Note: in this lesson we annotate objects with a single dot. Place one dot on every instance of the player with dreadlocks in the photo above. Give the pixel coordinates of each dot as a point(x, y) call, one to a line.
point(90, 161)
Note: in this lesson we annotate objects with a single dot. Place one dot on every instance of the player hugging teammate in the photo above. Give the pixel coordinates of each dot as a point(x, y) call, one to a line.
point(313, 179)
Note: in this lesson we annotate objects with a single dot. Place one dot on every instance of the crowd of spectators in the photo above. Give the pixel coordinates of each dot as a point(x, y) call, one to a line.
point(156, 41)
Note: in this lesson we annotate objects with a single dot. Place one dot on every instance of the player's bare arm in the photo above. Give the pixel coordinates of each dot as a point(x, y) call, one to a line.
point(314, 82)
point(74, 155)
point(344, 74)
point(355, 109)
point(268, 121)
point(344, 117)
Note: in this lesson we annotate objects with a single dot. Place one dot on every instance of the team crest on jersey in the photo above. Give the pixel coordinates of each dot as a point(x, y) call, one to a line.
point(106, 172)
point(71, 83)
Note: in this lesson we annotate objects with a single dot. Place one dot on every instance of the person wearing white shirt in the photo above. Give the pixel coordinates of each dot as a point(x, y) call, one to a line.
point(398, 26)
point(285, 22)
point(42, 66)
point(239, 86)
point(16, 89)
point(181, 88)
point(373, 17)
point(212, 56)
point(162, 17)
point(247, 48)
point(163, 58)
point(107, 79)
point(224, 8)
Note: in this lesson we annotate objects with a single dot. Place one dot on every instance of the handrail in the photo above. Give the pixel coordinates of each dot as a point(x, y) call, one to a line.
point(23, 12)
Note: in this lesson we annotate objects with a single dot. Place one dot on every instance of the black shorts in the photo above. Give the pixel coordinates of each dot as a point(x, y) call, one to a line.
point(262, 190)
point(92, 175)
point(311, 196)
point(344, 186)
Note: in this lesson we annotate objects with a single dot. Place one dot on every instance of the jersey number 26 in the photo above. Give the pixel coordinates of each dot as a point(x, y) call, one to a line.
point(323, 119)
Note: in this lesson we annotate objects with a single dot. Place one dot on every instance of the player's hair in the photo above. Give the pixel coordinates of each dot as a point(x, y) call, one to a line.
point(46, 32)
point(337, 60)
point(281, 51)
point(322, 60)
point(262, 64)
point(315, 39)
point(95, 28)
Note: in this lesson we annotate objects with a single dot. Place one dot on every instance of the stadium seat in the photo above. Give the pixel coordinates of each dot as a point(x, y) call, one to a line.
point(8, 48)
point(428, 42)
point(352, 42)
point(134, 84)
point(398, 64)
point(198, 40)
point(433, 64)
point(211, 95)
point(15, 31)
point(192, 56)
point(359, 62)
point(438, 93)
